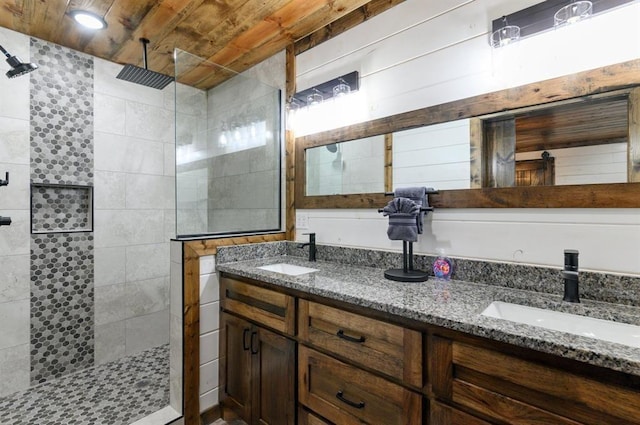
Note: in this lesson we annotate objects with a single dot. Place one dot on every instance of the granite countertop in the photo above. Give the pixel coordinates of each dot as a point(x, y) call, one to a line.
point(455, 305)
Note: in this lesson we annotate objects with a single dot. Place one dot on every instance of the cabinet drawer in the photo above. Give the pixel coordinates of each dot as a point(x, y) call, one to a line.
point(389, 349)
point(270, 308)
point(520, 391)
point(307, 418)
point(441, 414)
point(347, 395)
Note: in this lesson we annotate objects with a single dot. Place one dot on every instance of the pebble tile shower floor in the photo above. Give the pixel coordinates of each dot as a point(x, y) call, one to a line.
point(116, 393)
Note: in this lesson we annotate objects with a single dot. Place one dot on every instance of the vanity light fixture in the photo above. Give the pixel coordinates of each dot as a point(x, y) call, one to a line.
point(337, 87)
point(88, 19)
point(342, 89)
point(505, 35)
point(545, 16)
point(573, 12)
point(314, 98)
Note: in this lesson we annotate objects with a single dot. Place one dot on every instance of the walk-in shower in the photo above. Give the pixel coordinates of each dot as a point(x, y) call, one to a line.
point(86, 331)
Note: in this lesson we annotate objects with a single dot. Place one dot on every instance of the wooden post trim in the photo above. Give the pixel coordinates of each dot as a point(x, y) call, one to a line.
point(633, 149)
point(388, 162)
point(191, 343)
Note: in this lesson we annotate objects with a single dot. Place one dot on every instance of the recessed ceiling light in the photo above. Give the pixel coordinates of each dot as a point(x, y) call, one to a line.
point(89, 19)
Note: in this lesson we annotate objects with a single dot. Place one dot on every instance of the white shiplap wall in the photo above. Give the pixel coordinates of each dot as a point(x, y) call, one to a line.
point(209, 332)
point(433, 156)
point(424, 53)
point(587, 164)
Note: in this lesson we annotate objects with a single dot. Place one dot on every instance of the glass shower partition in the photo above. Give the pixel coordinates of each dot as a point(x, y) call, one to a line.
point(228, 151)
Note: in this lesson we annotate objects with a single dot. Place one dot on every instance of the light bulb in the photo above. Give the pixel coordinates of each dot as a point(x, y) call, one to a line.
point(89, 19)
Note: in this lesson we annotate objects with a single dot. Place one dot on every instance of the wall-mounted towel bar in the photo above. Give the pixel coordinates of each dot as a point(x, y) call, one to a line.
point(429, 209)
point(430, 191)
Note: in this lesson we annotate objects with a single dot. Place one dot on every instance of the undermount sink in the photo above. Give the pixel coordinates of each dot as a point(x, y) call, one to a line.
point(288, 269)
point(590, 327)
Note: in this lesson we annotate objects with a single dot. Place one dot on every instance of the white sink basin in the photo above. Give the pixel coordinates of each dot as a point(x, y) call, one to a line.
point(288, 269)
point(605, 330)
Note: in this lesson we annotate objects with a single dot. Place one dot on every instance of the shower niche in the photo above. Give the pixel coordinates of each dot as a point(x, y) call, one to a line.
point(61, 208)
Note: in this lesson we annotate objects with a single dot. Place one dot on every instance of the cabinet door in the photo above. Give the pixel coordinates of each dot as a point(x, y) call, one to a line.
point(273, 364)
point(235, 365)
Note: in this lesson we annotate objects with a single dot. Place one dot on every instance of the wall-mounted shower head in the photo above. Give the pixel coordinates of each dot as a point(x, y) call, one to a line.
point(18, 67)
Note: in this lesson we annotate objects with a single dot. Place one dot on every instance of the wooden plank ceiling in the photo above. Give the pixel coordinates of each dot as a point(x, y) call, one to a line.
point(236, 34)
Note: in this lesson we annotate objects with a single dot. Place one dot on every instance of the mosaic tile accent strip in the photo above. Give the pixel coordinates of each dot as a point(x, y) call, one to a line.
point(61, 208)
point(62, 313)
point(61, 115)
point(116, 393)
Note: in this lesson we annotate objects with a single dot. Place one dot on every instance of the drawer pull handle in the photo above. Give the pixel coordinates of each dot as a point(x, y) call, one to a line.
point(340, 396)
point(245, 343)
point(341, 334)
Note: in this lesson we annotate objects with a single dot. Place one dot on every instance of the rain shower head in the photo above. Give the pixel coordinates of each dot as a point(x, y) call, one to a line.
point(144, 76)
point(18, 67)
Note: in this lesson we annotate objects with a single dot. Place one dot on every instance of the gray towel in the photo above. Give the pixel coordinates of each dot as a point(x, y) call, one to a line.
point(402, 213)
point(417, 195)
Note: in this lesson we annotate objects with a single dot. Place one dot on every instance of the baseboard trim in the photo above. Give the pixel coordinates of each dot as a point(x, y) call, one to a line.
point(209, 416)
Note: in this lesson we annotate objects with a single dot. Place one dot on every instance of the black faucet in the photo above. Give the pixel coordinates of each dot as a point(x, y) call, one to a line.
point(312, 246)
point(570, 275)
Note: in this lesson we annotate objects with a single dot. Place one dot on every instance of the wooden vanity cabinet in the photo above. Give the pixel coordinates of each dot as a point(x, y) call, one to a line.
point(257, 365)
point(502, 388)
point(355, 368)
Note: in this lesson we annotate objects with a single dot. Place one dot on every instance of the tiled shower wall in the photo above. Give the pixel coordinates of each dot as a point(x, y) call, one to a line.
point(61, 133)
point(15, 239)
point(119, 288)
point(134, 213)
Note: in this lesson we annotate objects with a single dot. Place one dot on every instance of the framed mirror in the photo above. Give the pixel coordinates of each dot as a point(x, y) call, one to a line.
point(355, 166)
point(459, 147)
